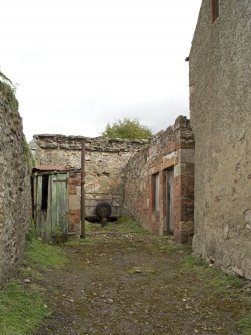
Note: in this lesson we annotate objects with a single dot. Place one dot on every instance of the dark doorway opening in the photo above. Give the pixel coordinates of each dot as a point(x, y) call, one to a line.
point(169, 203)
point(45, 185)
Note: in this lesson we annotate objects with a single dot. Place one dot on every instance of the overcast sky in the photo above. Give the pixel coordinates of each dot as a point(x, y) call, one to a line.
point(80, 64)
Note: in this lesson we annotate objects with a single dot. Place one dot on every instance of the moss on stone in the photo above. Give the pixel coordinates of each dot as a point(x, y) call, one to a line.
point(8, 90)
point(28, 158)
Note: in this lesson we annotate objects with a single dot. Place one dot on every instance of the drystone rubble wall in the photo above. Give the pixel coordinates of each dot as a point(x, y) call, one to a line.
point(220, 104)
point(173, 148)
point(15, 195)
point(105, 161)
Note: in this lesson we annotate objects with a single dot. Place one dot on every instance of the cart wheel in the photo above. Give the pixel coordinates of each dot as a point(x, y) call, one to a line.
point(103, 210)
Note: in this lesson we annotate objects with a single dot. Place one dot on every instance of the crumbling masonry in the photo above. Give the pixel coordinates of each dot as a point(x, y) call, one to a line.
point(126, 186)
point(15, 195)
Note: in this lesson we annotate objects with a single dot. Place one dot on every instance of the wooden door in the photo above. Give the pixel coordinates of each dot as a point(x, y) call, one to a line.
point(169, 200)
point(37, 199)
point(58, 206)
point(51, 206)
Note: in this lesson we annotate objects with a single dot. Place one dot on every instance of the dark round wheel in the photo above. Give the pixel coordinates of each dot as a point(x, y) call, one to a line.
point(103, 210)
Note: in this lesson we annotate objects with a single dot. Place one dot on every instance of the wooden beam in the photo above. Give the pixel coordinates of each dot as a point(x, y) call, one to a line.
point(82, 235)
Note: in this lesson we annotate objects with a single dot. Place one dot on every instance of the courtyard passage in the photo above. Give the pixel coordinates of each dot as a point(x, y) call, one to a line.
point(121, 280)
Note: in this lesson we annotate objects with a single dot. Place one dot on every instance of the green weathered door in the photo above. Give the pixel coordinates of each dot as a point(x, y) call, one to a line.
point(59, 205)
point(51, 206)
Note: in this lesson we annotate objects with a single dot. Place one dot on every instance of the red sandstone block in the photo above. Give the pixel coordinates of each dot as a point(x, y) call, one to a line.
point(185, 214)
point(74, 211)
point(72, 190)
point(184, 186)
point(74, 216)
point(74, 220)
point(75, 181)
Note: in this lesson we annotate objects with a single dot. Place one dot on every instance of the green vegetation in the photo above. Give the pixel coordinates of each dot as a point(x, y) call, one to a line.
point(8, 91)
point(20, 310)
point(245, 325)
point(215, 277)
point(222, 284)
point(21, 304)
point(167, 246)
point(28, 159)
point(125, 224)
point(41, 255)
point(127, 129)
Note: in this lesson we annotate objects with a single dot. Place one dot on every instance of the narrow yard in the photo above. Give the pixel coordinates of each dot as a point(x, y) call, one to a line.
point(123, 281)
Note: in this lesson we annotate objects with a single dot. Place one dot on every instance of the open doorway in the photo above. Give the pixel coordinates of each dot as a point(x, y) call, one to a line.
point(169, 200)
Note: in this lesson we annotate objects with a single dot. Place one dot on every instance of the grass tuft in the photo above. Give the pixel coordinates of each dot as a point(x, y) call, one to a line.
point(125, 224)
point(245, 325)
point(166, 245)
point(39, 254)
point(214, 276)
point(20, 310)
point(21, 307)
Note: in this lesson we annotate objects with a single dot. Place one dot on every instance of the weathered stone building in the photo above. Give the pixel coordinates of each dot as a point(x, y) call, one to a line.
point(15, 195)
point(155, 186)
point(58, 158)
point(220, 104)
point(159, 183)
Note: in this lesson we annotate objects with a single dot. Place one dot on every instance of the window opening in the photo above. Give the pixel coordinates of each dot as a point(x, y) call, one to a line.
point(215, 7)
point(45, 184)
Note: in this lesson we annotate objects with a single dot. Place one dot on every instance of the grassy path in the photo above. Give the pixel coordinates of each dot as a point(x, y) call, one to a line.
point(123, 281)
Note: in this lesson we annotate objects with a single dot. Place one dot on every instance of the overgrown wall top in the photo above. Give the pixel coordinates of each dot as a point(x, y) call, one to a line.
point(220, 104)
point(15, 196)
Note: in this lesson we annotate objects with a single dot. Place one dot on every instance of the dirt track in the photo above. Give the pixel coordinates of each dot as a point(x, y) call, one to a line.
point(126, 283)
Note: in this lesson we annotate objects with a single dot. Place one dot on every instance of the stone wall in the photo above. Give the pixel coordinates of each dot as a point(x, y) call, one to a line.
point(15, 196)
point(220, 104)
point(173, 148)
point(74, 193)
point(105, 162)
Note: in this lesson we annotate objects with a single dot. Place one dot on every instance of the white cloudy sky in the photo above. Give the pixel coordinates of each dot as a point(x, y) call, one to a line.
point(82, 63)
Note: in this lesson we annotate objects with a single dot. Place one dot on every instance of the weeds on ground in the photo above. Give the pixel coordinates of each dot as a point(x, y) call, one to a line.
point(40, 255)
point(21, 310)
point(222, 284)
point(21, 303)
point(125, 224)
point(166, 245)
point(245, 325)
point(214, 276)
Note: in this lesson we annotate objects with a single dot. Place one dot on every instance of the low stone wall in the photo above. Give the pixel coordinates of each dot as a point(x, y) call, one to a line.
point(15, 195)
point(65, 151)
point(170, 149)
